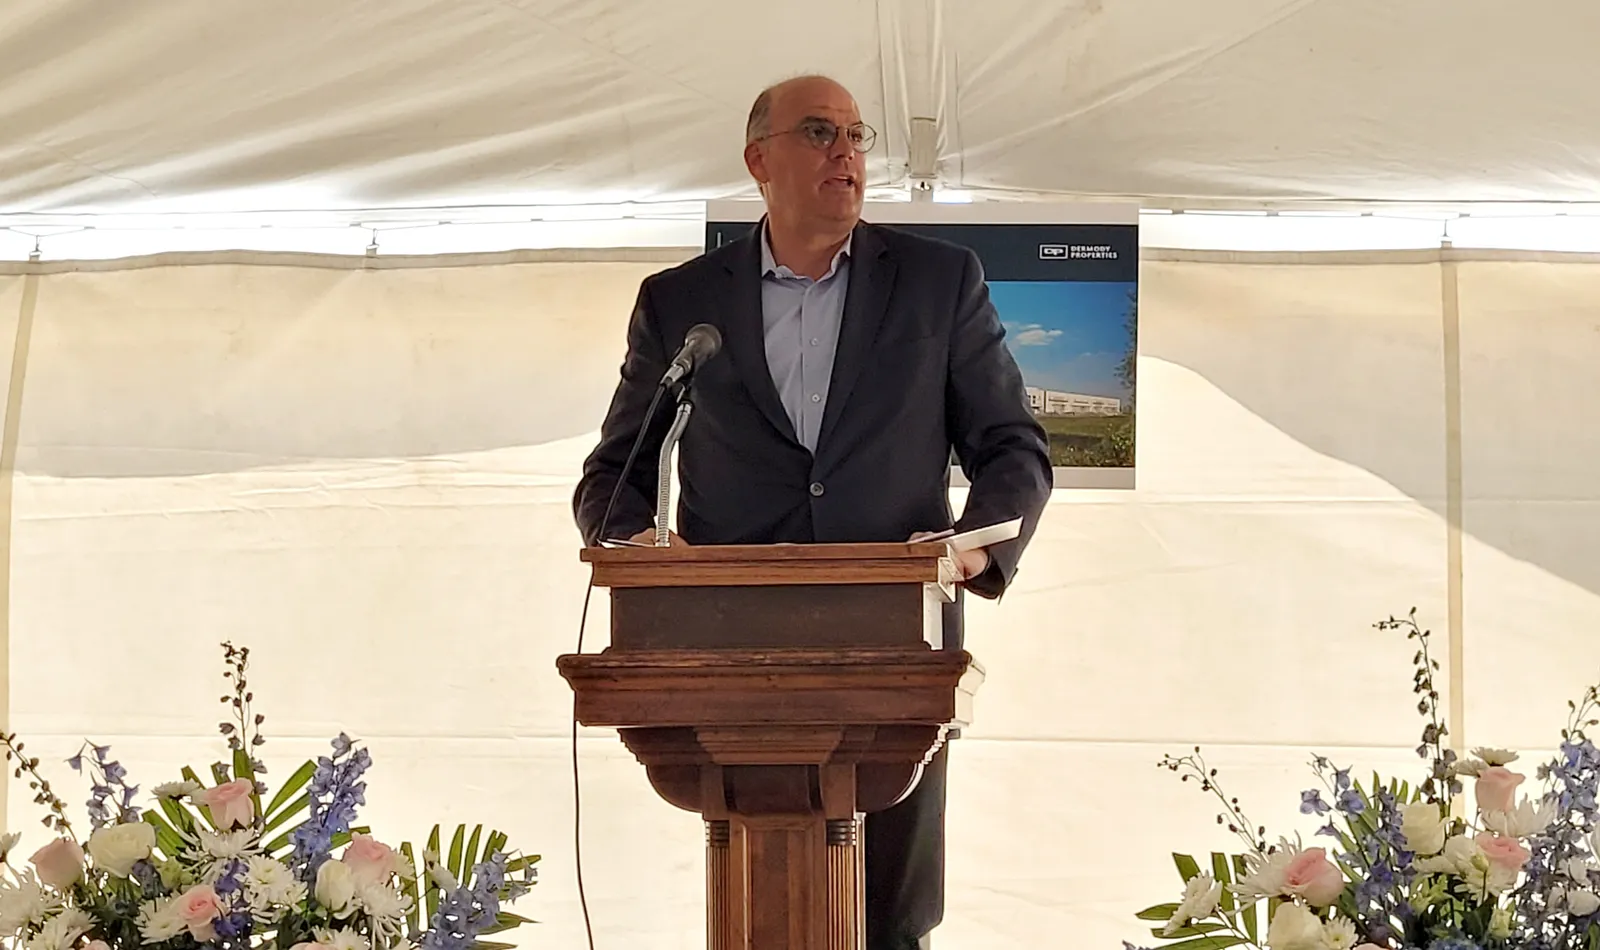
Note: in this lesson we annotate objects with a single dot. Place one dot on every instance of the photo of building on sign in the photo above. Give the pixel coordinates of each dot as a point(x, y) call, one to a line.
point(1048, 402)
point(1075, 342)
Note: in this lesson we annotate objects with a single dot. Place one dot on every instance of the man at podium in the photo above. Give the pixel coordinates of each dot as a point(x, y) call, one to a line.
point(855, 359)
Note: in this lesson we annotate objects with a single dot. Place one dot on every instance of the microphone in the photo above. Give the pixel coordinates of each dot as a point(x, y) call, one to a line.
point(700, 344)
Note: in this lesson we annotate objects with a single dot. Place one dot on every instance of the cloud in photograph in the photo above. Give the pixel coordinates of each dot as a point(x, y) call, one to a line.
point(1032, 334)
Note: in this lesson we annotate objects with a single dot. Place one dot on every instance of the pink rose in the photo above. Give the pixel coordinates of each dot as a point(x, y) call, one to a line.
point(1497, 788)
point(1507, 854)
point(370, 860)
point(198, 908)
point(230, 804)
point(97, 945)
point(1312, 876)
point(59, 863)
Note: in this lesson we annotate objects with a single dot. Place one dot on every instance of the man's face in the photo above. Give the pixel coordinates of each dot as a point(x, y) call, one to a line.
point(806, 181)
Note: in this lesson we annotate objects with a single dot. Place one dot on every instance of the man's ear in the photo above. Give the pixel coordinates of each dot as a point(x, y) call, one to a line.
point(756, 163)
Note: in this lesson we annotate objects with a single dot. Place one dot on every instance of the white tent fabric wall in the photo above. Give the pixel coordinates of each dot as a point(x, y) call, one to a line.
point(365, 474)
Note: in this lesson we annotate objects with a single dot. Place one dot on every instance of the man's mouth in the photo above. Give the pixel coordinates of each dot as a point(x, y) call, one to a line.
point(847, 181)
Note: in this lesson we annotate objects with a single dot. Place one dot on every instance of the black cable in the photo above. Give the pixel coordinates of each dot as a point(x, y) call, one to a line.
point(577, 799)
point(583, 622)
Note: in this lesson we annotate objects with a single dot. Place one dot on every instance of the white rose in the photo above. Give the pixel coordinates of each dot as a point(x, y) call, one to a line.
point(336, 885)
point(1294, 928)
point(1423, 827)
point(1460, 857)
point(117, 848)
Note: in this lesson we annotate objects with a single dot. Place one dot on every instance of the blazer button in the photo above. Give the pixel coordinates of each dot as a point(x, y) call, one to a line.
point(816, 489)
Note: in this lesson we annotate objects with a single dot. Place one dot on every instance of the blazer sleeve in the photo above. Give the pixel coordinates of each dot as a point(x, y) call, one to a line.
point(642, 368)
point(1002, 448)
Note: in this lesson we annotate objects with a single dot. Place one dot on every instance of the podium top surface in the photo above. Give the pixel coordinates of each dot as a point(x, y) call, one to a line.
point(771, 564)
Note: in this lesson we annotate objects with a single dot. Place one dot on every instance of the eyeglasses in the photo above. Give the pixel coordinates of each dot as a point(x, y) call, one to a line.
point(821, 134)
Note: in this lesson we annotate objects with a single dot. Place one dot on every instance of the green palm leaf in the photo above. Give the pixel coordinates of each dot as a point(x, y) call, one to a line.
point(454, 863)
point(296, 782)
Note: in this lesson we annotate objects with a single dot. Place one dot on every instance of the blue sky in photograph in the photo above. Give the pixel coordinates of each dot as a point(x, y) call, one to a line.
point(1066, 335)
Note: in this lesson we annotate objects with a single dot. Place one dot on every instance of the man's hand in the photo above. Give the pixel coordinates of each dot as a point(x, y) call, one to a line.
point(648, 536)
point(969, 564)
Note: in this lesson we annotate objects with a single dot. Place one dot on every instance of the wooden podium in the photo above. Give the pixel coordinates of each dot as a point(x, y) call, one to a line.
point(781, 692)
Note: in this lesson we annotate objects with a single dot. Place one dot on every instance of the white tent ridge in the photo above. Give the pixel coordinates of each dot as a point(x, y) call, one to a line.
point(234, 105)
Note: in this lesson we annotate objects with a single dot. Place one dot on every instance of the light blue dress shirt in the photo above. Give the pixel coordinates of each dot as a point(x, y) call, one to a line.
point(800, 320)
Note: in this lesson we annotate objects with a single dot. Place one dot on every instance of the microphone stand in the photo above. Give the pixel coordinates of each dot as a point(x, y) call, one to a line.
point(664, 463)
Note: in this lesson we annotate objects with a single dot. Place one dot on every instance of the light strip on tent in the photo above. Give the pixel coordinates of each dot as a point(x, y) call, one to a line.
point(485, 229)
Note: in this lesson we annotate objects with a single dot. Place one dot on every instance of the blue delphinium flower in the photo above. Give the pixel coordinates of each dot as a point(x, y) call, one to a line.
point(1311, 803)
point(1574, 779)
point(234, 926)
point(232, 878)
point(1390, 825)
point(466, 912)
point(110, 780)
point(1454, 943)
point(336, 791)
point(148, 878)
point(1576, 774)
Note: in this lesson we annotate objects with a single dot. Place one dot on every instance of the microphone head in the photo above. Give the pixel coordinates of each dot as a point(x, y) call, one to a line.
point(700, 344)
point(704, 341)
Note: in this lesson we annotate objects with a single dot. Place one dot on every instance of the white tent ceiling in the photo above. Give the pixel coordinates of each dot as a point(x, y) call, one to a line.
point(241, 105)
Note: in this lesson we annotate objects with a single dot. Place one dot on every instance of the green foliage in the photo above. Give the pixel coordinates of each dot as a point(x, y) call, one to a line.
point(1128, 366)
point(1090, 441)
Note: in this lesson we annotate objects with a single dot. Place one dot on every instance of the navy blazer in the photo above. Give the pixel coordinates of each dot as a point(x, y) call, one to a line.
point(921, 369)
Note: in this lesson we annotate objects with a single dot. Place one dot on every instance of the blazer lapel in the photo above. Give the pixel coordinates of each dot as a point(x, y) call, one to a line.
point(744, 336)
point(865, 304)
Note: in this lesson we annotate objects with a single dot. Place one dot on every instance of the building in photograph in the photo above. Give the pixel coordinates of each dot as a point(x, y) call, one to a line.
point(1049, 402)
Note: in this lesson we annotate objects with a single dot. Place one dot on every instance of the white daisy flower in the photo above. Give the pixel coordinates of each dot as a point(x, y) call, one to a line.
point(1492, 757)
point(25, 903)
point(159, 920)
point(1265, 875)
point(226, 847)
point(1339, 934)
point(386, 909)
point(172, 791)
point(1200, 898)
point(61, 931)
point(269, 888)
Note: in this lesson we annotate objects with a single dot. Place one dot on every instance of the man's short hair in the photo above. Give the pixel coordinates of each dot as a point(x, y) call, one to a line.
point(760, 121)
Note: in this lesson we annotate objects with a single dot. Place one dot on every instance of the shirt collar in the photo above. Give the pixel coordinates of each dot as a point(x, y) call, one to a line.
point(769, 266)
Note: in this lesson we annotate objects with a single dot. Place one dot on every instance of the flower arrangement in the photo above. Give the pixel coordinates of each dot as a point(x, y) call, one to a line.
point(1411, 867)
point(226, 866)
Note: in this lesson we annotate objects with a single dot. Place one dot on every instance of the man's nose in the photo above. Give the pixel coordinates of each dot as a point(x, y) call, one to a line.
point(842, 148)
